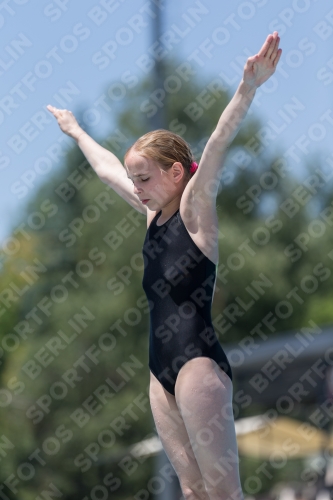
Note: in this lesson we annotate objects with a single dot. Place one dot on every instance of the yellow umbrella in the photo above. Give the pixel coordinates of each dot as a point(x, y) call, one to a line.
point(283, 436)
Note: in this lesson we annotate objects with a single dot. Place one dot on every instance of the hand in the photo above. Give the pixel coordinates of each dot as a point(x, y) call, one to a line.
point(260, 67)
point(66, 121)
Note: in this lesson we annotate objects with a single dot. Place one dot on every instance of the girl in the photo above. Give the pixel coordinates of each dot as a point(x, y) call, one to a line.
point(190, 377)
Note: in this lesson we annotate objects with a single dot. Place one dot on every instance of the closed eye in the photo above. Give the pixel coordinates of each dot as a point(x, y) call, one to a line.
point(143, 180)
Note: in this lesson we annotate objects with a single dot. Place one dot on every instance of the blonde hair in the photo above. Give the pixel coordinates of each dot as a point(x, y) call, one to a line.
point(166, 148)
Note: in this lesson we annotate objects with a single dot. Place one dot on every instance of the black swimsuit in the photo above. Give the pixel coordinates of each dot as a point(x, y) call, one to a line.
point(179, 281)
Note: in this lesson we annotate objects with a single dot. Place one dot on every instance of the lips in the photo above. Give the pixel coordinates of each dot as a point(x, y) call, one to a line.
point(144, 201)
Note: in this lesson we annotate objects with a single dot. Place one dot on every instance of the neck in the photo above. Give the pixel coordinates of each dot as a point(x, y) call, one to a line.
point(169, 209)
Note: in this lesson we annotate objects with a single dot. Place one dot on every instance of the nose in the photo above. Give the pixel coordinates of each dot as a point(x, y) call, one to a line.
point(136, 189)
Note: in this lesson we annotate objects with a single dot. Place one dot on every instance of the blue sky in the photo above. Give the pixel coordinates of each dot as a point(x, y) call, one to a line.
point(68, 53)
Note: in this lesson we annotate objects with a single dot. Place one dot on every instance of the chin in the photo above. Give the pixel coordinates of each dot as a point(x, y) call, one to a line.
point(153, 206)
point(156, 205)
point(159, 205)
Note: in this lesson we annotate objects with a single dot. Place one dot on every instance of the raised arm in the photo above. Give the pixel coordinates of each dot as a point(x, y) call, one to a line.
point(257, 70)
point(106, 165)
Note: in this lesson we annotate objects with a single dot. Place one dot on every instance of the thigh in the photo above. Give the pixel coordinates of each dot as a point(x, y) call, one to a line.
point(203, 395)
point(174, 437)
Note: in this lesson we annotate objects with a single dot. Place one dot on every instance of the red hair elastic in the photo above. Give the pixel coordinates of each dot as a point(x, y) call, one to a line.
point(194, 166)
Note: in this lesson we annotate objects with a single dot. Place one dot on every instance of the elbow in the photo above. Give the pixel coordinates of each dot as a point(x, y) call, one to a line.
point(103, 175)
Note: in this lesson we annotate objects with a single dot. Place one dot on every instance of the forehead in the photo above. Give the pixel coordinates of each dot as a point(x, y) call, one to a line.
point(137, 164)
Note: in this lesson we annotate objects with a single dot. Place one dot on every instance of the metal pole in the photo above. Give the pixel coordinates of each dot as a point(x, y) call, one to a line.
point(158, 120)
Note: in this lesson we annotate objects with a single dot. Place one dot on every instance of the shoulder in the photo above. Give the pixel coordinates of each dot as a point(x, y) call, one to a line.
point(201, 222)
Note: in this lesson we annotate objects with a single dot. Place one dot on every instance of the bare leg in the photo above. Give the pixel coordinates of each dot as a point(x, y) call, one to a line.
point(175, 441)
point(204, 397)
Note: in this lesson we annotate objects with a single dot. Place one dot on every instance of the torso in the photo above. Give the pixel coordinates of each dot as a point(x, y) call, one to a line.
point(201, 225)
point(179, 281)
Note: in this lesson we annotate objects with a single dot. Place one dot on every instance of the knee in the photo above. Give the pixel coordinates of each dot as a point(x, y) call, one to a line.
point(190, 494)
point(196, 491)
point(225, 490)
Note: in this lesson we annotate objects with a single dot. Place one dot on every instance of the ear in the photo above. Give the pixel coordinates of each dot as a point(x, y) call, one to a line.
point(178, 171)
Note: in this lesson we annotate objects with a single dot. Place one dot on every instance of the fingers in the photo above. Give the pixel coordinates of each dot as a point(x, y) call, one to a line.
point(270, 47)
point(264, 48)
point(55, 111)
point(277, 58)
point(273, 50)
point(51, 108)
point(250, 61)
